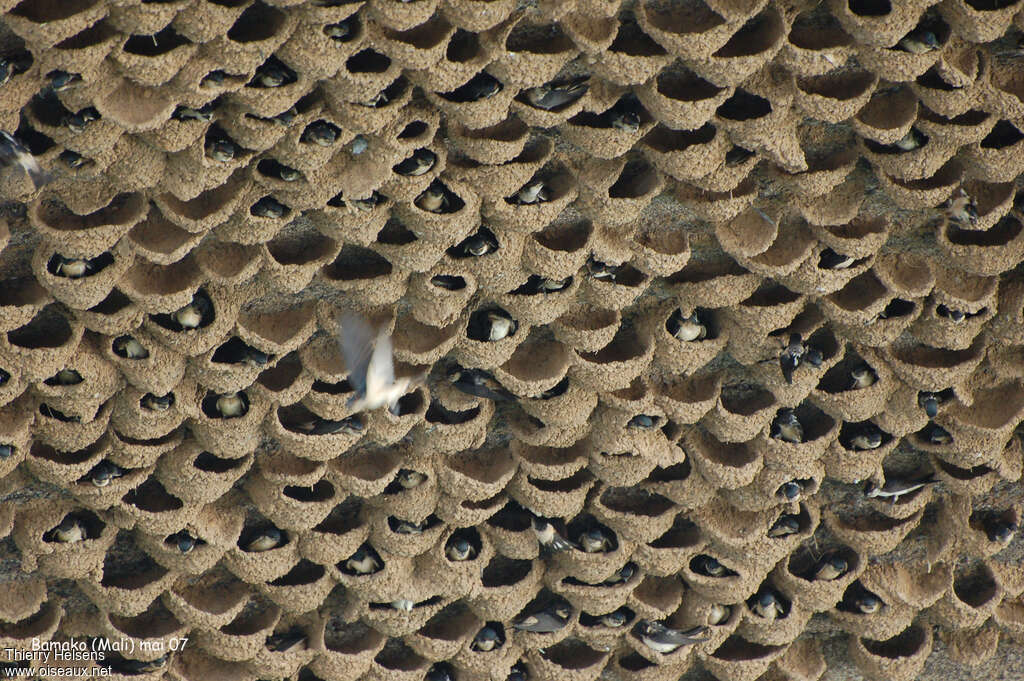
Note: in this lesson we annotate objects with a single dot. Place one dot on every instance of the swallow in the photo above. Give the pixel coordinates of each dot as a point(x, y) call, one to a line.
point(615, 619)
point(103, 472)
point(237, 351)
point(232, 405)
point(47, 410)
point(434, 199)
point(861, 376)
point(557, 94)
point(830, 568)
point(928, 401)
point(547, 621)
point(956, 315)
point(662, 639)
point(70, 530)
point(475, 245)
point(58, 81)
point(536, 284)
point(157, 403)
point(479, 383)
point(719, 614)
point(358, 145)
point(621, 576)
point(409, 479)
point(269, 207)
point(643, 422)
point(138, 667)
point(789, 492)
point(786, 525)
point(13, 152)
point(272, 168)
point(439, 671)
point(534, 191)
point(351, 425)
point(74, 160)
point(791, 356)
point(624, 116)
point(709, 567)
point(459, 549)
point(420, 163)
point(341, 32)
point(766, 604)
point(76, 122)
point(6, 451)
point(549, 537)
point(371, 370)
point(320, 133)
point(602, 271)
point(378, 100)
point(403, 604)
point(686, 327)
point(70, 268)
point(786, 427)
point(365, 561)
point(496, 325)
point(481, 86)
point(288, 642)
point(595, 540)
point(399, 526)
point(264, 540)
point(914, 139)
point(894, 488)
point(866, 437)
point(737, 156)
point(65, 377)
point(918, 41)
point(1000, 530)
point(859, 600)
point(221, 150)
point(517, 673)
point(271, 74)
point(961, 208)
point(184, 540)
point(937, 435)
point(487, 639)
point(129, 348)
point(13, 65)
point(213, 79)
point(831, 260)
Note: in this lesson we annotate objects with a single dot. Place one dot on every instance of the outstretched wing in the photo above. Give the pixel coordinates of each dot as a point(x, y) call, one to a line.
point(14, 152)
point(380, 373)
point(356, 339)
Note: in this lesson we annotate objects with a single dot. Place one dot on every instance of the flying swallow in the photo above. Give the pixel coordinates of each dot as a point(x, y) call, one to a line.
point(865, 437)
point(365, 561)
point(595, 540)
point(643, 422)
point(786, 427)
point(709, 567)
point(184, 540)
point(487, 639)
point(129, 348)
point(320, 133)
point(269, 207)
point(74, 160)
point(221, 150)
point(830, 568)
point(831, 260)
point(534, 191)
point(858, 599)
point(288, 642)
point(434, 199)
point(264, 540)
point(459, 549)
point(13, 152)
point(342, 31)
point(475, 245)
point(557, 94)
point(686, 327)
point(918, 41)
point(961, 208)
point(371, 370)
point(786, 525)
point(895, 487)
point(420, 163)
point(664, 640)
point(549, 537)
point(789, 492)
point(549, 620)
point(70, 530)
point(479, 383)
point(862, 376)
point(103, 472)
point(736, 156)
point(7, 450)
point(719, 614)
point(765, 603)
point(481, 86)
point(157, 403)
point(1000, 530)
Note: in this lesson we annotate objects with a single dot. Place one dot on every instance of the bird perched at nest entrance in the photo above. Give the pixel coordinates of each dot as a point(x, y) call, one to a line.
point(665, 640)
point(795, 353)
point(371, 369)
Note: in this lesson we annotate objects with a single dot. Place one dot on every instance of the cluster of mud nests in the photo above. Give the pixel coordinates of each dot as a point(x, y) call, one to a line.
point(734, 286)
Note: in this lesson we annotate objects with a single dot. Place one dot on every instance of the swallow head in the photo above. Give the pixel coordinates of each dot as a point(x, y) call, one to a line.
point(157, 403)
point(220, 150)
point(594, 541)
point(410, 479)
point(232, 405)
point(719, 614)
point(213, 79)
point(868, 603)
point(265, 540)
point(269, 207)
point(862, 376)
point(642, 422)
point(831, 568)
point(459, 549)
point(937, 435)
point(500, 325)
point(1001, 531)
point(71, 268)
point(69, 530)
point(789, 491)
point(320, 133)
point(685, 326)
point(625, 121)
point(786, 525)
point(340, 32)
point(129, 348)
point(486, 639)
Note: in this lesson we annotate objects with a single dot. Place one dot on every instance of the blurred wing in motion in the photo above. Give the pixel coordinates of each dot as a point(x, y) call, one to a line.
point(13, 152)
